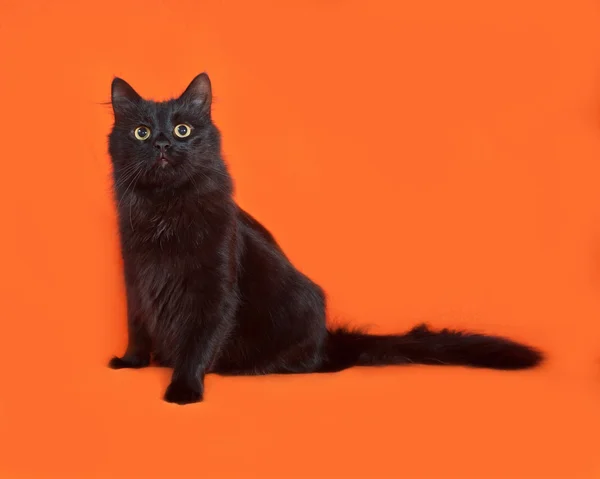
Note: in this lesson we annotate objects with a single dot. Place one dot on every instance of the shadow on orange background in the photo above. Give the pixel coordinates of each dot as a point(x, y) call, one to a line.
point(465, 133)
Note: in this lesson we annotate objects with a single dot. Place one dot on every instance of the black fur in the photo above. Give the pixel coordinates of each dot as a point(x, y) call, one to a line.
point(208, 288)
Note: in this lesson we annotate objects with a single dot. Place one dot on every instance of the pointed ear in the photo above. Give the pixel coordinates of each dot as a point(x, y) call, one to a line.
point(122, 94)
point(199, 92)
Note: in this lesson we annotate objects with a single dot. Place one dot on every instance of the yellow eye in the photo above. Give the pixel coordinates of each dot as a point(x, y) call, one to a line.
point(142, 133)
point(182, 130)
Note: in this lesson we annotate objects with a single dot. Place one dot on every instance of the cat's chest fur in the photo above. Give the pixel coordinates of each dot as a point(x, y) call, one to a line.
point(171, 248)
point(170, 225)
point(165, 244)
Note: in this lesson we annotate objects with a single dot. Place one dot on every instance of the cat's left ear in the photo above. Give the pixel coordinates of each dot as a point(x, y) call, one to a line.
point(199, 92)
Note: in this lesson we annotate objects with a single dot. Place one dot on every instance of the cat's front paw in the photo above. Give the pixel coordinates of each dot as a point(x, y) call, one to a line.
point(129, 362)
point(180, 392)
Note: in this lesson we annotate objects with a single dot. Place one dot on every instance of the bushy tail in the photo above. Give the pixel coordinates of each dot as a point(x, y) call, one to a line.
point(346, 348)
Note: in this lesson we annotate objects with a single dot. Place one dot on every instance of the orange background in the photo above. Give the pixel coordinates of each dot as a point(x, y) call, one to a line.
point(464, 133)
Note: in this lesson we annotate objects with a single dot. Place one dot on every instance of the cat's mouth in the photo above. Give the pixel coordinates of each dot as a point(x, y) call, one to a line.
point(163, 161)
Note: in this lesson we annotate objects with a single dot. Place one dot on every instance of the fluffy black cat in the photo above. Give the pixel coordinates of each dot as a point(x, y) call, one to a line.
point(209, 290)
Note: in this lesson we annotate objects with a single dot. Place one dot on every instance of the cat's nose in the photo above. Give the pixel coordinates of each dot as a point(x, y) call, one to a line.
point(162, 143)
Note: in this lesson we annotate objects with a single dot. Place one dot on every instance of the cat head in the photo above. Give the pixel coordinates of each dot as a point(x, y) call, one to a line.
point(163, 144)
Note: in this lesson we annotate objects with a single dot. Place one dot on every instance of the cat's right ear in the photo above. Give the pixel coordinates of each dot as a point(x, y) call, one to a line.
point(123, 96)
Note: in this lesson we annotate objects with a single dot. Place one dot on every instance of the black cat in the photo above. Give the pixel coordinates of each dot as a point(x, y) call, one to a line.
point(209, 290)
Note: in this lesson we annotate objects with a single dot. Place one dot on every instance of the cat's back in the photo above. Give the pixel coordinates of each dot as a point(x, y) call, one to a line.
point(266, 273)
point(253, 228)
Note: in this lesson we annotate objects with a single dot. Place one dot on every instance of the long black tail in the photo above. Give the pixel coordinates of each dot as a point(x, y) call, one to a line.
point(346, 348)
